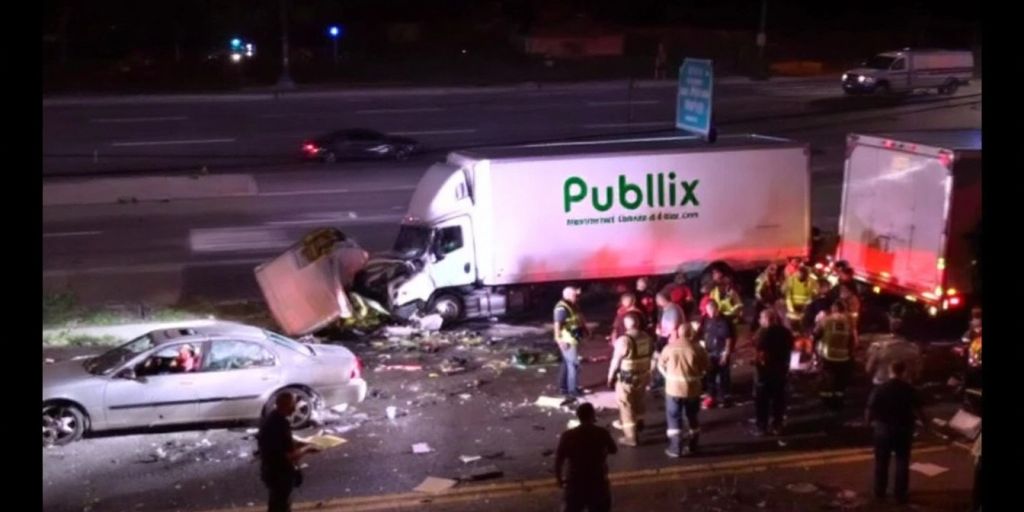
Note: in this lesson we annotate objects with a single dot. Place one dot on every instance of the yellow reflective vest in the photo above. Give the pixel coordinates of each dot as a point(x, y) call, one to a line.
point(569, 333)
point(837, 340)
point(639, 348)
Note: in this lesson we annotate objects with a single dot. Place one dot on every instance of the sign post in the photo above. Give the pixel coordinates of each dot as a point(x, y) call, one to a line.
point(694, 98)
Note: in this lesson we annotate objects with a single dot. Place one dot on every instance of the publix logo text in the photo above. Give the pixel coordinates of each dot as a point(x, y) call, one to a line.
point(658, 192)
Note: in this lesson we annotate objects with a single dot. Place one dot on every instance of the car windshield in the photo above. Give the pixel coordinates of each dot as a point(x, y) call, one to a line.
point(879, 62)
point(412, 241)
point(288, 343)
point(111, 359)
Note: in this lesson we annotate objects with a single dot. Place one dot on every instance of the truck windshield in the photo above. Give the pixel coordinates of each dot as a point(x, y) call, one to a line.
point(879, 62)
point(412, 241)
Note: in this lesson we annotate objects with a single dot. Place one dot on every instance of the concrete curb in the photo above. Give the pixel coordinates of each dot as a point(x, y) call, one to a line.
point(388, 91)
point(154, 188)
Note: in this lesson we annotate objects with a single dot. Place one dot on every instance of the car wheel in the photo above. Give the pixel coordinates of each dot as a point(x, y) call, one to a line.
point(448, 306)
point(883, 89)
point(62, 424)
point(330, 157)
point(304, 405)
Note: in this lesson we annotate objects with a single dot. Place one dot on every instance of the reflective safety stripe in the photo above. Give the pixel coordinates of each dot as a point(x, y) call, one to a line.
point(571, 323)
point(638, 358)
point(627, 425)
point(673, 432)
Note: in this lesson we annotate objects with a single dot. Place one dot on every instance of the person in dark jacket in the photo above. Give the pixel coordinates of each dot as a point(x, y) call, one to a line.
point(586, 449)
point(773, 345)
point(279, 454)
point(892, 410)
point(719, 336)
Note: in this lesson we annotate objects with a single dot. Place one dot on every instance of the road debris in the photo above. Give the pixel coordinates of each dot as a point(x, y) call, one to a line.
point(322, 442)
point(454, 365)
point(966, 424)
point(802, 488)
point(602, 400)
point(928, 469)
point(434, 485)
point(466, 459)
point(430, 323)
point(549, 401)
point(483, 473)
point(421, 448)
point(400, 367)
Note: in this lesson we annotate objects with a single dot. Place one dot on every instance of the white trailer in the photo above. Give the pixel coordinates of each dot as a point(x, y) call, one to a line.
point(487, 224)
point(911, 212)
point(910, 69)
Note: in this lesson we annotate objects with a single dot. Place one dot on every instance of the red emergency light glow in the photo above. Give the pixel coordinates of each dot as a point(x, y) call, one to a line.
point(888, 144)
point(954, 301)
point(946, 159)
point(309, 148)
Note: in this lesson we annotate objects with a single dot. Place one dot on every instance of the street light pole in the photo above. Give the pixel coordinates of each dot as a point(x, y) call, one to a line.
point(762, 39)
point(285, 81)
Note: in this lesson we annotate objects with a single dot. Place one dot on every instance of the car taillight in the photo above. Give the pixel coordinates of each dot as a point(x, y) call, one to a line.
point(954, 301)
point(357, 370)
point(309, 148)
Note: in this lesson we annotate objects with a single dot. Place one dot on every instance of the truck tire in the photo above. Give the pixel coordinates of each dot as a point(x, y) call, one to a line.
point(448, 305)
point(882, 89)
point(950, 87)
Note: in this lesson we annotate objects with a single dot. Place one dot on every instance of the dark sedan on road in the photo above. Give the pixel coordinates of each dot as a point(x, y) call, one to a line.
point(357, 143)
point(221, 372)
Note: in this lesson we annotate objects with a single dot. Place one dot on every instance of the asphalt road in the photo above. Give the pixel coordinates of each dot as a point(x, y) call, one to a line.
point(488, 409)
point(207, 248)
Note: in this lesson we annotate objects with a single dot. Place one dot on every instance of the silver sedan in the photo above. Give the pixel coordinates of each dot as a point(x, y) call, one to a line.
point(222, 372)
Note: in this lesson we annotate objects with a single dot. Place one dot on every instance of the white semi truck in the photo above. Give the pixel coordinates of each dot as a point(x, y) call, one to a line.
point(911, 215)
point(488, 227)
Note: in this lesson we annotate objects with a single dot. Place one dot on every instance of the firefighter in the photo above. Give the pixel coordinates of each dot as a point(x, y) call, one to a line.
point(727, 296)
point(848, 294)
point(570, 328)
point(767, 291)
point(836, 352)
point(799, 289)
point(645, 297)
point(629, 374)
point(627, 304)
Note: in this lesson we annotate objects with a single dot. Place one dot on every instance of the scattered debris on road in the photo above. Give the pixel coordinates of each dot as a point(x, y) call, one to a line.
point(421, 448)
point(435, 485)
point(928, 469)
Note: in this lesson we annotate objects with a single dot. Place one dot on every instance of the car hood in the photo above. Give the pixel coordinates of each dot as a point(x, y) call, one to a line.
point(65, 373)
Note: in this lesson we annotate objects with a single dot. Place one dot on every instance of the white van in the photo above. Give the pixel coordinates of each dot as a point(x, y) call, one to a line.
point(907, 70)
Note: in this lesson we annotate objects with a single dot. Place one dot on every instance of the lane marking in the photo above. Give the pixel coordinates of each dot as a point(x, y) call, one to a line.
point(170, 142)
point(437, 132)
point(71, 233)
point(411, 110)
point(138, 119)
point(617, 103)
point(286, 193)
point(629, 125)
point(670, 473)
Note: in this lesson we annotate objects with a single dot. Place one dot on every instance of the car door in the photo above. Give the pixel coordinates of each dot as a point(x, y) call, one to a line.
point(453, 253)
point(160, 395)
point(235, 379)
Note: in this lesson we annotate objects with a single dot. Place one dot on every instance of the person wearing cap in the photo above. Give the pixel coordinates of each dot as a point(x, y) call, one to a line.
point(570, 328)
point(629, 373)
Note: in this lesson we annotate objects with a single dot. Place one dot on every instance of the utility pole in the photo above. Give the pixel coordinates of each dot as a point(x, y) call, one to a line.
point(285, 81)
point(762, 40)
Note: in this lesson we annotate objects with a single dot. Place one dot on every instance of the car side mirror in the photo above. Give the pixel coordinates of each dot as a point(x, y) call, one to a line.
point(129, 374)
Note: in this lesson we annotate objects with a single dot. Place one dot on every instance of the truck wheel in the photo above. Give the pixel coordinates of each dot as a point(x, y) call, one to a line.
point(882, 89)
point(448, 306)
point(950, 87)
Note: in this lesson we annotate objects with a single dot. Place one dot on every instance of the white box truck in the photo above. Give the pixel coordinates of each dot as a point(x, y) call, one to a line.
point(488, 226)
point(910, 69)
point(911, 215)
